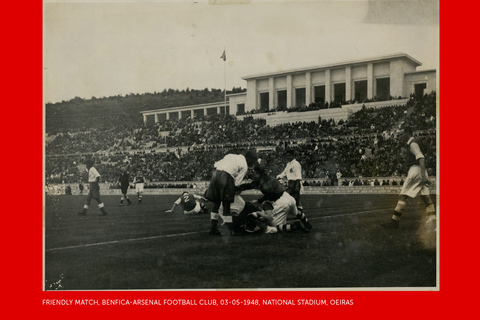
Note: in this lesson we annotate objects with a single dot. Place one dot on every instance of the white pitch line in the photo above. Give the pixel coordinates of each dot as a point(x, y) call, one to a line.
point(122, 241)
point(186, 233)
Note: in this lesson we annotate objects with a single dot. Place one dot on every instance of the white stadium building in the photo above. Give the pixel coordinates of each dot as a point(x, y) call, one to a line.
point(337, 89)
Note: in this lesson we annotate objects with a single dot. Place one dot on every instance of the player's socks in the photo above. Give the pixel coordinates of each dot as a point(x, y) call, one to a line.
point(228, 221)
point(430, 209)
point(102, 209)
point(394, 221)
point(214, 223)
point(128, 201)
point(297, 225)
point(84, 212)
point(302, 217)
point(431, 223)
point(284, 228)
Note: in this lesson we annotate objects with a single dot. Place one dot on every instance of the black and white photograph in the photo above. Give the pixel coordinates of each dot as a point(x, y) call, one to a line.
point(241, 145)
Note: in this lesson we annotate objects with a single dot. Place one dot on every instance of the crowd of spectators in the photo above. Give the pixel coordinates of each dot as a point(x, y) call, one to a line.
point(365, 145)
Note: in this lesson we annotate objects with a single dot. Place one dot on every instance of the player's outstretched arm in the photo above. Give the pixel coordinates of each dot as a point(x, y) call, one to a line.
point(199, 197)
point(171, 210)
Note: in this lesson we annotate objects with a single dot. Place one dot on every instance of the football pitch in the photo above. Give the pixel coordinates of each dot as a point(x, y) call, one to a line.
point(140, 247)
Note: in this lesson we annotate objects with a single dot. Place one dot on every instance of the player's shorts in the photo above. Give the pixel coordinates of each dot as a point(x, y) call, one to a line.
point(293, 188)
point(139, 187)
point(411, 186)
point(124, 189)
point(236, 207)
point(196, 209)
point(221, 188)
point(94, 190)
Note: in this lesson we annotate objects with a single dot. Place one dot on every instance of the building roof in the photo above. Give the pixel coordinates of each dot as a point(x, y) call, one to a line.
point(422, 71)
point(413, 61)
point(185, 108)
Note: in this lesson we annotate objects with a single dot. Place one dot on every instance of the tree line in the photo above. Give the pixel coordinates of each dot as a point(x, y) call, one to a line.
point(80, 114)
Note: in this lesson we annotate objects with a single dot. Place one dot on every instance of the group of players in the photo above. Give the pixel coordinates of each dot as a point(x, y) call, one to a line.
point(123, 181)
point(278, 209)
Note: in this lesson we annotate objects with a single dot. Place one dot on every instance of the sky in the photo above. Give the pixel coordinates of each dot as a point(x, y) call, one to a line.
point(107, 48)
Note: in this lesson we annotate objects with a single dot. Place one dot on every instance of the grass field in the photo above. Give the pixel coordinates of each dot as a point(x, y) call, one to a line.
point(141, 247)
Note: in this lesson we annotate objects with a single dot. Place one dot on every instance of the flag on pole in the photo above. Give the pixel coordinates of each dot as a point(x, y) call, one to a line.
point(224, 56)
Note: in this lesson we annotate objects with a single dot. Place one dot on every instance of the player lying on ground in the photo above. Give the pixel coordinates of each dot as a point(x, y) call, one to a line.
point(273, 191)
point(250, 217)
point(190, 203)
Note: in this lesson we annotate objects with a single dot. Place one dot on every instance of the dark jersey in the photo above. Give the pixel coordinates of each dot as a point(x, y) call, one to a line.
point(139, 179)
point(124, 180)
point(187, 201)
point(270, 187)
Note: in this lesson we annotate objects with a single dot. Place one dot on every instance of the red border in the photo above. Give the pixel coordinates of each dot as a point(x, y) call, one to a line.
point(22, 220)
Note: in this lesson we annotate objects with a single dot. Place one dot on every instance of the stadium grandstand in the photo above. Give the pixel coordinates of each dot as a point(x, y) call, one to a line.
point(342, 117)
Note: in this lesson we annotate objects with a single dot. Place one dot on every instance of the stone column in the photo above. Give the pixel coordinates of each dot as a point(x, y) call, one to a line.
point(252, 93)
point(308, 88)
point(271, 94)
point(370, 81)
point(289, 91)
point(348, 83)
point(328, 87)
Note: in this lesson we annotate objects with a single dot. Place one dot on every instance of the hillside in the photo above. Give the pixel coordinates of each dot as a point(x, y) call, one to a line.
point(84, 114)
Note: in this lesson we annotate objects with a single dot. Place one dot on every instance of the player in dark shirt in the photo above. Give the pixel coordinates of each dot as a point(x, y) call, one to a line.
point(139, 182)
point(124, 182)
point(190, 203)
point(274, 193)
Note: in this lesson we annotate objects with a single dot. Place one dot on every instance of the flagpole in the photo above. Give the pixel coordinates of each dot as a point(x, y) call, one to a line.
point(225, 81)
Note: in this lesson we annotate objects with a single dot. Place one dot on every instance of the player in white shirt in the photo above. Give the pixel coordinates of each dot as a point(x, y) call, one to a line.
point(293, 174)
point(94, 193)
point(416, 183)
point(282, 206)
point(267, 217)
point(229, 172)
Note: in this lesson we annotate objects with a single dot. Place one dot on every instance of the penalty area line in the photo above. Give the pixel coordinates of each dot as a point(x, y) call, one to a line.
point(122, 241)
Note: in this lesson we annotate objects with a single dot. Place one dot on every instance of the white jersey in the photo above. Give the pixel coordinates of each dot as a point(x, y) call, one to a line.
point(293, 171)
point(93, 174)
point(283, 207)
point(235, 165)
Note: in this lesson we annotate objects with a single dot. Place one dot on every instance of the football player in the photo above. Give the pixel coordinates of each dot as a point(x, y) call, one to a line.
point(124, 182)
point(282, 204)
point(94, 193)
point(190, 203)
point(416, 183)
point(250, 217)
point(293, 174)
point(229, 172)
point(139, 182)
